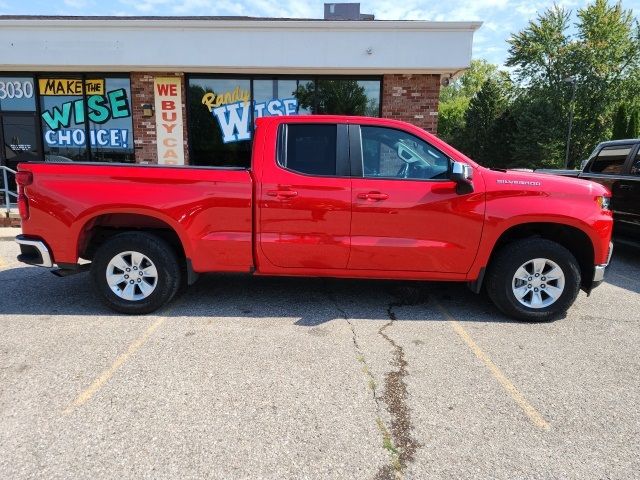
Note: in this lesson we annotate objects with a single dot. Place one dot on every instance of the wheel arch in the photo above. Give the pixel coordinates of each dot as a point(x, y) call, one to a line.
point(574, 239)
point(97, 229)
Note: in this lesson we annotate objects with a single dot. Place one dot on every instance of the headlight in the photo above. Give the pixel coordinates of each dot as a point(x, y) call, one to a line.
point(604, 202)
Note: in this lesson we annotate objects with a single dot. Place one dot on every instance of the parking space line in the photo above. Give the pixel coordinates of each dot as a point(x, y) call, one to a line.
point(99, 382)
point(6, 266)
point(506, 384)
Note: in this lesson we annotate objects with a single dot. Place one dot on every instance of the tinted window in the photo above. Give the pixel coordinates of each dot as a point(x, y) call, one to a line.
point(610, 160)
point(311, 149)
point(390, 153)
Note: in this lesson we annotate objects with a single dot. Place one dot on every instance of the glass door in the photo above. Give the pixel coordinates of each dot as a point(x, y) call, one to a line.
point(20, 138)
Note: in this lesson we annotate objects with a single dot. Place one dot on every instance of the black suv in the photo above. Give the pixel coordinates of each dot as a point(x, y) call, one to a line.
point(615, 164)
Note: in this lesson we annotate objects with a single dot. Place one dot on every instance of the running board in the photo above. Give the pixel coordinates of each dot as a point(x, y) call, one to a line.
point(67, 272)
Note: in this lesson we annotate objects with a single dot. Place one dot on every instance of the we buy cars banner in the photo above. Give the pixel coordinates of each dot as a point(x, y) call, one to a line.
point(168, 105)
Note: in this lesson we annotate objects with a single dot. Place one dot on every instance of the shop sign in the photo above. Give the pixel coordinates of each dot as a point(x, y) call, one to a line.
point(68, 87)
point(232, 110)
point(100, 109)
point(168, 106)
point(111, 138)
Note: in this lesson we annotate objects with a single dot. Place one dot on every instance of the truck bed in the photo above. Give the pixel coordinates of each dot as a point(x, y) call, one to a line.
point(213, 207)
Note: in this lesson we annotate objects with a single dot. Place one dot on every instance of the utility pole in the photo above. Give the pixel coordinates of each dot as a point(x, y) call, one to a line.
point(574, 82)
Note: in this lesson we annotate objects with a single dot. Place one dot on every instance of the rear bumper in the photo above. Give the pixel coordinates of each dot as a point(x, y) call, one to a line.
point(34, 252)
point(599, 270)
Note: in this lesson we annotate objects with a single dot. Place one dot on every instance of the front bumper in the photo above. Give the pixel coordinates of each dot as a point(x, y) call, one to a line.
point(34, 252)
point(598, 271)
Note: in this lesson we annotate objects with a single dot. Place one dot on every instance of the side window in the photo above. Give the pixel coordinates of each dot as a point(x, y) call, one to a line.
point(310, 149)
point(610, 160)
point(635, 168)
point(390, 153)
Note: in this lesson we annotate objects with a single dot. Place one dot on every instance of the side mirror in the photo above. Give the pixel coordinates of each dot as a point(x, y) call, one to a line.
point(462, 174)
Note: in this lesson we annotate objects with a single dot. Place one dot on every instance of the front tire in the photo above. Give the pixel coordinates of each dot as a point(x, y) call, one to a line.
point(136, 273)
point(534, 280)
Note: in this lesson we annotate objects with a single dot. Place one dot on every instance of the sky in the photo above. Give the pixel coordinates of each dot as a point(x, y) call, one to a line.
point(500, 17)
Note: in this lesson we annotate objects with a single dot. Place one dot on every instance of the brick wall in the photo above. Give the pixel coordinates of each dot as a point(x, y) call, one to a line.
point(412, 98)
point(144, 129)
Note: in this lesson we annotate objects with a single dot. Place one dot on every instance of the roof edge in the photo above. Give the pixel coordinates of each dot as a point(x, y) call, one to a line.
point(122, 22)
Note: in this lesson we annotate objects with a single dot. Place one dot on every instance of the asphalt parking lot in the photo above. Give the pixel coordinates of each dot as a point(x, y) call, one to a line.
point(290, 378)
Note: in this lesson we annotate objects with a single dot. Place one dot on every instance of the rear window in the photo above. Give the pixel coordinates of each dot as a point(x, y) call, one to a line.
point(610, 160)
point(310, 149)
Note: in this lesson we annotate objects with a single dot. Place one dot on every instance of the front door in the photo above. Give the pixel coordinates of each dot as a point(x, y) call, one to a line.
point(20, 139)
point(407, 215)
point(304, 198)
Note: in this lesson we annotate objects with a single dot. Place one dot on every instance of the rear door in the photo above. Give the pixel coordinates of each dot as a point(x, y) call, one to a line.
point(304, 198)
point(407, 215)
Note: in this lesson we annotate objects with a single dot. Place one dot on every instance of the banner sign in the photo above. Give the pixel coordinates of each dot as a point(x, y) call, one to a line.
point(60, 86)
point(232, 110)
point(168, 105)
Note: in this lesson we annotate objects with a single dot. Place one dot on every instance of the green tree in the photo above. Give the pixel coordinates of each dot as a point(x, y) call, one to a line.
point(485, 108)
point(633, 128)
point(602, 53)
point(620, 123)
point(455, 98)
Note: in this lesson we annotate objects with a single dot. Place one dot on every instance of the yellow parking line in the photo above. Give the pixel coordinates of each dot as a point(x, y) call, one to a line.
point(6, 266)
point(509, 387)
point(98, 383)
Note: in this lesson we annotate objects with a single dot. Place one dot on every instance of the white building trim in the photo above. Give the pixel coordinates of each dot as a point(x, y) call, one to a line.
point(235, 46)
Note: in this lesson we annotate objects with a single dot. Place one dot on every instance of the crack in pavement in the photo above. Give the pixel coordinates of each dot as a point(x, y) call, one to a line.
point(395, 396)
point(356, 345)
point(396, 439)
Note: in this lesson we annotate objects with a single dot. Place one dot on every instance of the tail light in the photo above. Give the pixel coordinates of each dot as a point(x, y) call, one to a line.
point(23, 179)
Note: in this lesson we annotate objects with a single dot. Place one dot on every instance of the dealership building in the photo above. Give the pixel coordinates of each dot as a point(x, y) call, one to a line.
point(187, 90)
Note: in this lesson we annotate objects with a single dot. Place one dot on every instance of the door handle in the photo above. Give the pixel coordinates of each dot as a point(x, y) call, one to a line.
point(625, 187)
point(376, 196)
point(282, 194)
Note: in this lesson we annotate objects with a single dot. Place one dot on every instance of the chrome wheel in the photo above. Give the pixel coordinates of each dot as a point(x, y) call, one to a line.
point(538, 283)
point(132, 276)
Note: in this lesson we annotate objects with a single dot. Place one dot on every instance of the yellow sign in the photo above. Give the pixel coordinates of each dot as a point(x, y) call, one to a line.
point(69, 87)
point(211, 100)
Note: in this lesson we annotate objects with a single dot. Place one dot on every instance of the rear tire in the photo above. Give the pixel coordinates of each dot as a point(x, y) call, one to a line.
point(534, 279)
point(136, 273)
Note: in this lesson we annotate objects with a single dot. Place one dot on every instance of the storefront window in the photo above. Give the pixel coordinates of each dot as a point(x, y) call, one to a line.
point(284, 92)
point(110, 122)
point(17, 94)
point(74, 108)
point(220, 121)
point(222, 111)
point(347, 97)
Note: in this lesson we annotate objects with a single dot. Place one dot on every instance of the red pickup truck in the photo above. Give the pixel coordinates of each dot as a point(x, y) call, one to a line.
point(327, 196)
